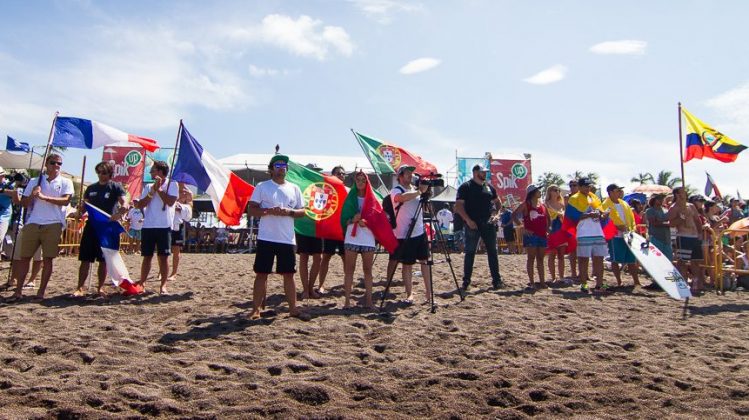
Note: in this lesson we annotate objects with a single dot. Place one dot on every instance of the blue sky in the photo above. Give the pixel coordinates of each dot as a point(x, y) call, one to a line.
point(580, 85)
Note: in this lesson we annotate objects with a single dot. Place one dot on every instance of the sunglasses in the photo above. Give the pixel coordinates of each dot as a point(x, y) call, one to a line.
point(340, 174)
point(102, 172)
point(56, 163)
point(279, 165)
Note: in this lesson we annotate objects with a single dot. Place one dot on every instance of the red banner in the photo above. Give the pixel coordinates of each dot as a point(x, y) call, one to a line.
point(129, 163)
point(511, 178)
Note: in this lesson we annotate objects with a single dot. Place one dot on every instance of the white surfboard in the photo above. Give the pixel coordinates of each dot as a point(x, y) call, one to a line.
point(658, 266)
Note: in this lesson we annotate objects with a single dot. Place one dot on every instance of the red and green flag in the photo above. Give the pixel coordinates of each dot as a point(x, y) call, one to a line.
point(322, 196)
point(372, 213)
point(386, 157)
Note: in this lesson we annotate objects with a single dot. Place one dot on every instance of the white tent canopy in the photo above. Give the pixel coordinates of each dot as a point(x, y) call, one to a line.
point(259, 162)
point(9, 160)
point(447, 195)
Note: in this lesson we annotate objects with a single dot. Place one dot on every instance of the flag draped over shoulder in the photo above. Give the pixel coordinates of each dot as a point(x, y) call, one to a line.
point(577, 205)
point(372, 213)
point(711, 187)
point(108, 233)
point(705, 141)
point(194, 166)
point(13, 145)
point(386, 158)
point(322, 196)
point(79, 133)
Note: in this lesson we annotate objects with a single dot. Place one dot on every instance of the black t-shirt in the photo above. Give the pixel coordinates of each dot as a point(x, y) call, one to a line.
point(478, 200)
point(104, 196)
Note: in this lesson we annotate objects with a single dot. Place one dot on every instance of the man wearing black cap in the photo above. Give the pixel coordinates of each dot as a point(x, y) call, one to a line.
point(474, 203)
point(624, 220)
point(276, 203)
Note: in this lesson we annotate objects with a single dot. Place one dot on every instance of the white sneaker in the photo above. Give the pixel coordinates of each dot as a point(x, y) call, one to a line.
point(29, 285)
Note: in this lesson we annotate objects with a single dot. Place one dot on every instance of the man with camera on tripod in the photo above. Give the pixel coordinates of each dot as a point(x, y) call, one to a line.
point(474, 204)
point(409, 218)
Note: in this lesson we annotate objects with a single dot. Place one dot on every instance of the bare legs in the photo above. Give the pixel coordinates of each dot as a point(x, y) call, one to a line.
point(145, 268)
point(535, 257)
point(83, 271)
point(309, 274)
point(259, 291)
point(348, 279)
point(556, 259)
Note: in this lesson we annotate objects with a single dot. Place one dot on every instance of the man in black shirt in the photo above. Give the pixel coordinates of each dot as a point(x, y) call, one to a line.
point(105, 194)
point(474, 204)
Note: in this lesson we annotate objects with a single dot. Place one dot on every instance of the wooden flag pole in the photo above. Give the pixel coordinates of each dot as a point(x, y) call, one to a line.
point(681, 152)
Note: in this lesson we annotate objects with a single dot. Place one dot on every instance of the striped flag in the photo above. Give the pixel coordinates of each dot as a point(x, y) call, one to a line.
point(710, 187)
point(79, 133)
point(108, 232)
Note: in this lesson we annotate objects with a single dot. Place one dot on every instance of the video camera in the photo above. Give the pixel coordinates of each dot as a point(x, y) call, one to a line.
point(431, 180)
point(18, 178)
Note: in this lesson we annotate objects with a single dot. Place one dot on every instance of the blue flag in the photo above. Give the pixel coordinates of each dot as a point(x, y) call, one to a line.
point(17, 146)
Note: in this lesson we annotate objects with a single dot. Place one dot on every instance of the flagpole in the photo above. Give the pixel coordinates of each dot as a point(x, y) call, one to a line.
point(358, 140)
point(681, 152)
point(49, 146)
point(174, 157)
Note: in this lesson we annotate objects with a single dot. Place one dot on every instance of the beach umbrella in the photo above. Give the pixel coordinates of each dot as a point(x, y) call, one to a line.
point(739, 227)
point(652, 189)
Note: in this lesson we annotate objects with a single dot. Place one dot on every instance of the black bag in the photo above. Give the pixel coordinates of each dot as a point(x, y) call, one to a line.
point(390, 211)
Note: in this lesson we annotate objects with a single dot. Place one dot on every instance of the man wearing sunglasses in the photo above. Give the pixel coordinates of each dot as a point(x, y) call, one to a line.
point(45, 198)
point(276, 203)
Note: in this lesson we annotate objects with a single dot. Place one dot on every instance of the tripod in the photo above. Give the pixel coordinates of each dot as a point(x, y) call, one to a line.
point(423, 202)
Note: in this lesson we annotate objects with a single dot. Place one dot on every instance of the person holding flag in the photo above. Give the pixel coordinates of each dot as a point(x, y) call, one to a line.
point(330, 247)
point(46, 198)
point(684, 216)
point(157, 203)
point(106, 195)
point(364, 222)
point(276, 203)
point(624, 220)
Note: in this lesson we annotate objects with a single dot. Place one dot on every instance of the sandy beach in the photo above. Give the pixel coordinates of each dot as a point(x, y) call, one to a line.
point(504, 354)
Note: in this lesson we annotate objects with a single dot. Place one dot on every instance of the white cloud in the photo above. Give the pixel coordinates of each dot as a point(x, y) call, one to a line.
point(381, 11)
point(623, 47)
point(733, 107)
point(304, 36)
point(420, 65)
point(262, 72)
point(551, 75)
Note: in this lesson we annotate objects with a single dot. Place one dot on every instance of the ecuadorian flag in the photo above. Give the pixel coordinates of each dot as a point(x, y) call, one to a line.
point(577, 205)
point(705, 141)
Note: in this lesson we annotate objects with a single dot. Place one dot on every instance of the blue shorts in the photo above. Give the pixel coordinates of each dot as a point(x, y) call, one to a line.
point(620, 252)
point(533, 241)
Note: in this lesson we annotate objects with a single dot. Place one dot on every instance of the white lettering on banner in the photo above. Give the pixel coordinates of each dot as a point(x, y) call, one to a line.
point(506, 182)
point(120, 170)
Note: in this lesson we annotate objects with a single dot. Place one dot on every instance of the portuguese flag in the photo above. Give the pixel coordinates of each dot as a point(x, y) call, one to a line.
point(386, 158)
point(322, 196)
point(372, 213)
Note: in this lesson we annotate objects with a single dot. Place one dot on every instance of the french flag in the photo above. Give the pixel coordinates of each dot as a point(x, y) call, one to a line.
point(194, 166)
point(86, 134)
point(108, 232)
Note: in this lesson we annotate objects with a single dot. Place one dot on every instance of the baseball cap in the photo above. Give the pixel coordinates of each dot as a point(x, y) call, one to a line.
point(531, 188)
point(404, 168)
point(613, 187)
point(584, 182)
point(696, 197)
point(479, 167)
point(278, 158)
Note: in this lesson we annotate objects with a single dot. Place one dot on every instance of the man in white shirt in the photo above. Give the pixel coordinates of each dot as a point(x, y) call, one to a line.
point(45, 198)
point(276, 203)
point(414, 247)
point(444, 217)
point(157, 203)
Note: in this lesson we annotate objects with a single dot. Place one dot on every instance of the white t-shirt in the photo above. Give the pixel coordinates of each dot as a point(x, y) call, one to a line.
point(268, 194)
point(155, 215)
point(444, 217)
point(43, 212)
point(364, 236)
point(135, 216)
point(589, 227)
point(184, 214)
point(406, 213)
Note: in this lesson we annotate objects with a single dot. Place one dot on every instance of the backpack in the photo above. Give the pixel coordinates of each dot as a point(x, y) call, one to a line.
point(390, 211)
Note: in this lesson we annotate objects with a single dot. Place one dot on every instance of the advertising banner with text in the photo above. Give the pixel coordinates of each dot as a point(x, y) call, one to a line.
point(511, 178)
point(129, 163)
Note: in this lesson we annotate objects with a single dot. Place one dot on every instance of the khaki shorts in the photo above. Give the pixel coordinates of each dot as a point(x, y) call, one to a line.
point(48, 236)
point(17, 249)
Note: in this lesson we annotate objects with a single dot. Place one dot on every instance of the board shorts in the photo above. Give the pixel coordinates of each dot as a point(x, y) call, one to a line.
point(411, 250)
point(619, 251)
point(308, 244)
point(509, 232)
point(664, 248)
point(533, 241)
point(332, 247)
point(593, 246)
point(45, 236)
point(178, 237)
point(155, 239)
point(89, 249)
point(688, 249)
point(266, 252)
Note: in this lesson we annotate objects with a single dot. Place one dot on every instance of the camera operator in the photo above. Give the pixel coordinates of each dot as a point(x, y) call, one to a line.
point(415, 247)
point(474, 204)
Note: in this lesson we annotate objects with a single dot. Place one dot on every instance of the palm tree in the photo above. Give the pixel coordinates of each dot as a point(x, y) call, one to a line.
point(642, 178)
point(665, 178)
point(547, 179)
